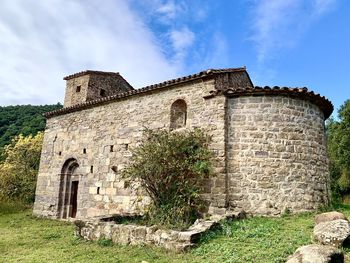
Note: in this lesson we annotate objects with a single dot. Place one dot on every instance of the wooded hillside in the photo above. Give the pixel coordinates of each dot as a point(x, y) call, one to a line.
point(22, 119)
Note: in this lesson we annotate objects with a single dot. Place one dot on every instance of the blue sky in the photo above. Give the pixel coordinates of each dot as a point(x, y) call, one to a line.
point(292, 43)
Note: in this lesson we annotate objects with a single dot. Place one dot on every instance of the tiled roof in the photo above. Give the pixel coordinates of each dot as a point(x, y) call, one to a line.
point(302, 93)
point(165, 84)
point(85, 72)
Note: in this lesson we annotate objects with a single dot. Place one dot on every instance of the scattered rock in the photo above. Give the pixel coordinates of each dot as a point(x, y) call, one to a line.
point(329, 216)
point(316, 254)
point(332, 233)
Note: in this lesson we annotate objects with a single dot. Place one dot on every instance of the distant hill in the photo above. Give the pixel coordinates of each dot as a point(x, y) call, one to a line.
point(22, 119)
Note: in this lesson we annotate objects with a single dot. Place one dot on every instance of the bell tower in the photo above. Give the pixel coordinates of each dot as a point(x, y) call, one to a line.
point(90, 85)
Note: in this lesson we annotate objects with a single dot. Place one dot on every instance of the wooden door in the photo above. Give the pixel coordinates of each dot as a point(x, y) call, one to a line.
point(74, 198)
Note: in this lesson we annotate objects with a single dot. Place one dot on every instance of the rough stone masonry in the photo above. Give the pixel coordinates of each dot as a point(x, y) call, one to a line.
point(269, 143)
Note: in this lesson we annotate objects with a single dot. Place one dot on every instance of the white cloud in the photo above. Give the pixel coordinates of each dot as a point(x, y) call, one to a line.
point(42, 41)
point(279, 24)
point(201, 13)
point(165, 11)
point(168, 10)
point(180, 26)
point(218, 56)
point(181, 41)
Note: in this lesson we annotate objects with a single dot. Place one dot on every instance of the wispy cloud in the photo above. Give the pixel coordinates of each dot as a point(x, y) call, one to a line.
point(173, 20)
point(41, 41)
point(322, 6)
point(279, 24)
point(168, 10)
point(181, 41)
point(218, 55)
point(189, 31)
point(165, 11)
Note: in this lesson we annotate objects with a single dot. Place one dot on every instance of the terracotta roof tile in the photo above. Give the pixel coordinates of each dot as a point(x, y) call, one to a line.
point(82, 73)
point(302, 93)
point(202, 74)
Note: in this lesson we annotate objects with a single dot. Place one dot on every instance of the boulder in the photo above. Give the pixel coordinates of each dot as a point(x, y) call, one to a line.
point(317, 254)
point(329, 216)
point(332, 233)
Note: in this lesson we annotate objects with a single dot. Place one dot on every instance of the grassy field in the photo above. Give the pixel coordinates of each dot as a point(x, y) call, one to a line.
point(24, 238)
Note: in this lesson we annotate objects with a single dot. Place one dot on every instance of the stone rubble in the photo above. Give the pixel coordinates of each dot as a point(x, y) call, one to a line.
point(332, 233)
point(95, 229)
point(329, 216)
point(316, 254)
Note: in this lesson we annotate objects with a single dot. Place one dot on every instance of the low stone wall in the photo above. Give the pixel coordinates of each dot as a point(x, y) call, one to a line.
point(95, 229)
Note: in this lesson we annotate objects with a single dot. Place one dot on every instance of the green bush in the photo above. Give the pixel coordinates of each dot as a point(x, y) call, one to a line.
point(338, 135)
point(19, 169)
point(170, 167)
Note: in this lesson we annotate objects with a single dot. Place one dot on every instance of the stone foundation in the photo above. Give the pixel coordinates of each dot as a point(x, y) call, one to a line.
point(99, 228)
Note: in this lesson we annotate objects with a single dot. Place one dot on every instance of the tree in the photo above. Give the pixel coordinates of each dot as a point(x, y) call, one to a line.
point(19, 169)
point(170, 167)
point(338, 132)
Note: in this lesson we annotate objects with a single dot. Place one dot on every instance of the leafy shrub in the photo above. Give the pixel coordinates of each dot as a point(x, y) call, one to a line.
point(170, 167)
point(19, 169)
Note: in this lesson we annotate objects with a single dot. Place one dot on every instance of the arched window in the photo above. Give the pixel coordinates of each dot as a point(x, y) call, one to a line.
point(178, 115)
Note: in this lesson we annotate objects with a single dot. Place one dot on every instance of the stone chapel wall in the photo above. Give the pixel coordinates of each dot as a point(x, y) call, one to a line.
point(119, 124)
point(269, 145)
point(277, 156)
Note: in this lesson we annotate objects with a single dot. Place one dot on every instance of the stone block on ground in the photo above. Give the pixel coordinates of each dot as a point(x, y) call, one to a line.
point(329, 216)
point(317, 254)
point(332, 233)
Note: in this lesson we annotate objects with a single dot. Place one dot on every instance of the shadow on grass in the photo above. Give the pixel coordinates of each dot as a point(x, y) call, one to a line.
point(341, 207)
point(224, 228)
point(12, 207)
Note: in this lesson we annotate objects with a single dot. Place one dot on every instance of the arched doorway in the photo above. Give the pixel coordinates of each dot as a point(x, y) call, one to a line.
point(68, 192)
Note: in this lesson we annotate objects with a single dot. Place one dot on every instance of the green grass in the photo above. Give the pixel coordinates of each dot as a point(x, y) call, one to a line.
point(25, 238)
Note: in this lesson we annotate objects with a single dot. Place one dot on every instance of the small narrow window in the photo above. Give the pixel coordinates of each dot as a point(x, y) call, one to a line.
point(102, 92)
point(126, 184)
point(111, 148)
point(91, 169)
point(84, 150)
point(114, 169)
point(178, 115)
point(126, 146)
point(59, 153)
point(98, 190)
point(78, 88)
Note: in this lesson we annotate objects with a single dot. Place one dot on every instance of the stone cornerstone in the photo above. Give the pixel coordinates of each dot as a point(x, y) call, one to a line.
point(269, 143)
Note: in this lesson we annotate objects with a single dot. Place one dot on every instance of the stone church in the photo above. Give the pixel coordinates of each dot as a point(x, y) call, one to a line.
point(268, 142)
